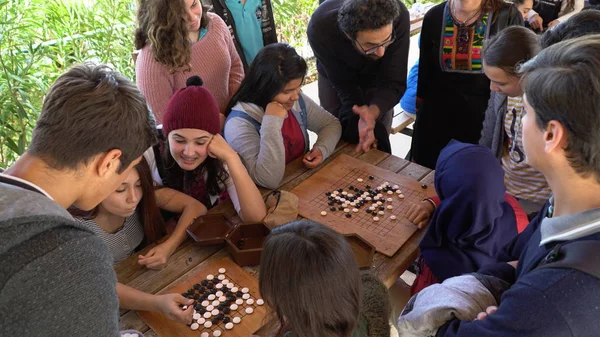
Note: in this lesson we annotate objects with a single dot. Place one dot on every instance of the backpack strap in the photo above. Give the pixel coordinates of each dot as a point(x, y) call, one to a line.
point(243, 115)
point(579, 255)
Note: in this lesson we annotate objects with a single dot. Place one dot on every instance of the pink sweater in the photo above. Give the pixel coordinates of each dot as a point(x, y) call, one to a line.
point(214, 59)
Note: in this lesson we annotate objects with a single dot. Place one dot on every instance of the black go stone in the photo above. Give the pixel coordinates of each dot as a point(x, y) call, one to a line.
point(368, 187)
point(184, 295)
point(368, 211)
point(423, 186)
point(348, 215)
point(213, 291)
point(332, 209)
point(197, 307)
point(229, 293)
point(226, 310)
point(351, 188)
point(327, 193)
point(196, 296)
point(340, 190)
point(204, 282)
point(331, 203)
point(239, 294)
point(341, 208)
point(215, 320)
point(201, 311)
point(226, 319)
point(197, 286)
point(220, 316)
point(220, 307)
point(210, 286)
point(371, 177)
point(381, 208)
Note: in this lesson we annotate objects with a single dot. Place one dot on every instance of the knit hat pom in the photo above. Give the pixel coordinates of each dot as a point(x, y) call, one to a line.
point(194, 81)
point(192, 107)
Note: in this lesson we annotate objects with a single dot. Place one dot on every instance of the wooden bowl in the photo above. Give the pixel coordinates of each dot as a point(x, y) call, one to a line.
point(363, 251)
point(245, 243)
point(209, 229)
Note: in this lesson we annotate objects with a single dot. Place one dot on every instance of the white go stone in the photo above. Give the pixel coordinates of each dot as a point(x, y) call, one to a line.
point(221, 277)
point(215, 303)
point(381, 212)
point(245, 290)
point(204, 334)
point(390, 200)
point(239, 301)
point(194, 326)
point(323, 213)
point(395, 187)
point(230, 285)
point(222, 299)
point(346, 210)
point(197, 316)
point(210, 277)
point(222, 270)
point(229, 326)
point(225, 282)
point(249, 301)
point(368, 199)
point(352, 204)
point(210, 307)
point(375, 219)
point(344, 193)
point(249, 310)
point(393, 217)
point(219, 285)
point(371, 208)
point(350, 195)
point(355, 210)
point(246, 296)
point(207, 324)
point(207, 315)
point(219, 293)
point(234, 289)
point(360, 180)
point(205, 303)
point(211, 297)
point(376, 198)
point(201, 320)
point(401, 196)
point(215, 312)
point(260, 301)
point(217, 333)
point(184, 307)
point(236, 320)
point(233, 306)
point(390, 192)
point(379, 203)
point(390, 207)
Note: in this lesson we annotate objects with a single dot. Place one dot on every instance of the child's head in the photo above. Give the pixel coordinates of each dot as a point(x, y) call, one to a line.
point(165, 25)
point(135, 194)
point(276, 74)
point(583, 23)
point(524, 6)
point(93, 116)
point(189, 123)
point(504, 53)
point(310, 280)
point(562, 100)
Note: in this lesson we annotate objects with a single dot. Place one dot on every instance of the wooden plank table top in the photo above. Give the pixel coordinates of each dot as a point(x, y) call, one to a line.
point(189, 257)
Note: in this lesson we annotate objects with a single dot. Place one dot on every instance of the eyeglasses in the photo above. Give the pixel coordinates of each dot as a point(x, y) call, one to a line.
point(372, 50)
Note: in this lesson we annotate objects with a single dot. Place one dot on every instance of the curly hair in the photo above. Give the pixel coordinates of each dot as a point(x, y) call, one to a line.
point(359, 15)
point(162, 24)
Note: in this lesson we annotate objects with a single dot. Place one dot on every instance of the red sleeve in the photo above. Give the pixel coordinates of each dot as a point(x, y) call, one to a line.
point(436, 200)
point(522, 219)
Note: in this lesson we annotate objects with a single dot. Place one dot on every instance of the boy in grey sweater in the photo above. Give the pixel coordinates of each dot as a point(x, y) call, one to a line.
point(56, 277)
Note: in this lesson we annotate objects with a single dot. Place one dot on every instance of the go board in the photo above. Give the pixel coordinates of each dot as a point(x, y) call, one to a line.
point(244, 304)
point(331, 197)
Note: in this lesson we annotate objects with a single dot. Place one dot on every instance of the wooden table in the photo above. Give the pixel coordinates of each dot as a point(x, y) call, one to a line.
point(190, 258)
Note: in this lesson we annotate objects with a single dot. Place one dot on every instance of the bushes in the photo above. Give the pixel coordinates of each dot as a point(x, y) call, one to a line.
point(39, 40)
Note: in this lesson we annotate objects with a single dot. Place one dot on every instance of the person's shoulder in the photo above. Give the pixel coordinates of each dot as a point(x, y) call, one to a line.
point(435, 11)
point(324, 18)
point(217, 23)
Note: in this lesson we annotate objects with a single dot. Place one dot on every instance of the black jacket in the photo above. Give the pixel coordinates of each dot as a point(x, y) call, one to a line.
point(268, 25)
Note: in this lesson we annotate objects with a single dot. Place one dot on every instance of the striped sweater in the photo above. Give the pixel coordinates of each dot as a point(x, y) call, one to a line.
point(214, 58)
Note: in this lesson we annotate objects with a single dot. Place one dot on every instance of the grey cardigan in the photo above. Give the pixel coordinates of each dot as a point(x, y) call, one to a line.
point(492, 133)
point(263, 152)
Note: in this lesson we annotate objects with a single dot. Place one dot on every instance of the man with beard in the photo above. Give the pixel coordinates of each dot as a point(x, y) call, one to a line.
point(362, 51)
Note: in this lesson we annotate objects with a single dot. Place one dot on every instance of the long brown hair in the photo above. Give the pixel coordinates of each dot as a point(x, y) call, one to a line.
point(310, 281)
point(162, 24)
point(147, 209)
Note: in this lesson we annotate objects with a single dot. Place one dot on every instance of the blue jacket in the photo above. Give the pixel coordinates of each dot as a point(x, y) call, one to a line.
point(541, 302)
